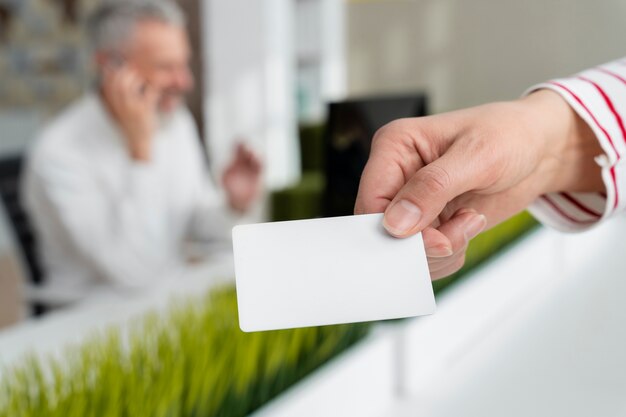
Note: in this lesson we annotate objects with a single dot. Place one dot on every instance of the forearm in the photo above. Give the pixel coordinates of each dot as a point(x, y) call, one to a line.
point(139, 147)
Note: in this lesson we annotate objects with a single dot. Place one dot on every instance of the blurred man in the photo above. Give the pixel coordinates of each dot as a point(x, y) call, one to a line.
point(117, 183)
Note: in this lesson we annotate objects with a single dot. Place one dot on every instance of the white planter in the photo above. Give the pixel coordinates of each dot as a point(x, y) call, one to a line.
point(537, 331)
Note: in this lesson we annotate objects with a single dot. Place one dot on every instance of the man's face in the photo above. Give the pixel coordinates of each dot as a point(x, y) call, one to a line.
point(160, 54)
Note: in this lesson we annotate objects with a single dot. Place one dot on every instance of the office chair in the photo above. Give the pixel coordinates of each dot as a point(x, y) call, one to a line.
point(10, 173)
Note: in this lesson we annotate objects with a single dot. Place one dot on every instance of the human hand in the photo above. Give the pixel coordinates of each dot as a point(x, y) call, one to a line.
point(132, 103)
point(455, 174)
point(242, 179)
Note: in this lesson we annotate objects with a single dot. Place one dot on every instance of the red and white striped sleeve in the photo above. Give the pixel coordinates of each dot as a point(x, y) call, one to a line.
point(598, 95)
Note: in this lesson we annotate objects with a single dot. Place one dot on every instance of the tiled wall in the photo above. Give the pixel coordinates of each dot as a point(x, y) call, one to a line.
point(43, 59)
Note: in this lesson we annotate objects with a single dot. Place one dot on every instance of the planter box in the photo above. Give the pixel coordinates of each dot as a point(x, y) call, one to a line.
point(537, 331)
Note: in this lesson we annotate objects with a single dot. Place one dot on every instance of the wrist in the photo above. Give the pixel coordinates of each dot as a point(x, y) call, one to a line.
point(139, 149)
point(568, 145)
point(237, 206)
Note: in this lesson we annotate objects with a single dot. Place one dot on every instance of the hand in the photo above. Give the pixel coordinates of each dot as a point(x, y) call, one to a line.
point(242, 179)
point(133, 105)
point(455, 174)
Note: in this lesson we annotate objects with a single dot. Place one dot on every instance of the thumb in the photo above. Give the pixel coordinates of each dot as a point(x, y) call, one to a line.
point(420, 201)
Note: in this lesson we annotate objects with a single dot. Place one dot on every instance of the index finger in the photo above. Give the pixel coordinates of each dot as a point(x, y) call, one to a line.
point(393, 160)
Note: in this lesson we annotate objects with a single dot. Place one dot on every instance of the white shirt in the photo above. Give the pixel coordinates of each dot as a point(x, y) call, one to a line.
point(598, 95)
point(103, 219)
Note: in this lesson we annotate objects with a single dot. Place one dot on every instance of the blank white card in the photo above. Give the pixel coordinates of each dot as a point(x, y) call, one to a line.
point(328, 271)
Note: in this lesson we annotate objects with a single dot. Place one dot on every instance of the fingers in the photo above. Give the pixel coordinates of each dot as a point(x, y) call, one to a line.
point(380, 180)
point(125, 89)
point(128, 87)
point(436, 244)
point(450, 268)
point(117, 85)
point(446, 246)
point(393, 159)
point(110, 86)
point(136, 91)
point(420, 201)
point(241, 179)
point(151, 95)
point(245, 156)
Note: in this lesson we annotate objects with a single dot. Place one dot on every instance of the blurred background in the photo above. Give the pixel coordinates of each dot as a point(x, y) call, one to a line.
point(305, 83)
point(293, 57)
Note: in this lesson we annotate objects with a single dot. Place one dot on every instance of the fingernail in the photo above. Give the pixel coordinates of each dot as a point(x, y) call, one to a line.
point(475, 226)
point(402, 217)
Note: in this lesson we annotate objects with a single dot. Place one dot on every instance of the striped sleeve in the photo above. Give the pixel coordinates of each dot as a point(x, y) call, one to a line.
point(598, 95)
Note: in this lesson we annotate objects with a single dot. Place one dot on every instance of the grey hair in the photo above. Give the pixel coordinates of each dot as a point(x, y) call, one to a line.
point(112, 23)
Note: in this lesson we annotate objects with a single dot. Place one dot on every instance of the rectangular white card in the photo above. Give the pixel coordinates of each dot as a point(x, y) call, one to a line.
point(328, 271)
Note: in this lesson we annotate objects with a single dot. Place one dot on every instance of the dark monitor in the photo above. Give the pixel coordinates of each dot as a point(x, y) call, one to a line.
point(349, 131)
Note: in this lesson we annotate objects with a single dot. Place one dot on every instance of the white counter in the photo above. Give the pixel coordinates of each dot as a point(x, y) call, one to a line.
point(538, 331)
point(52, 333)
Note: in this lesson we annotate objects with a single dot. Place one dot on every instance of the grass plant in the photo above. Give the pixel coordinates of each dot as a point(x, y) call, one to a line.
point(192, 360)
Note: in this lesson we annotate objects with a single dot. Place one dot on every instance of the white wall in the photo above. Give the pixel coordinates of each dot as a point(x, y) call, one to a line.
point(250, 81)
point(469, 52)
point(320, 56)
point(18, 129)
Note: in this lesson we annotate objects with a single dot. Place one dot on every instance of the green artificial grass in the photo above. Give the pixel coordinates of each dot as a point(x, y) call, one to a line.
point(303, 201)
point(312, 148)
point(192, 361)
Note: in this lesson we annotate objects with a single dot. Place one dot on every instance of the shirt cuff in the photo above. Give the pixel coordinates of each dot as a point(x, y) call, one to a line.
point(598, 96)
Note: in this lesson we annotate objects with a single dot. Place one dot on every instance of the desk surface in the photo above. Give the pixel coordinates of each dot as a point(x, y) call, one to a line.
point(52, 333)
